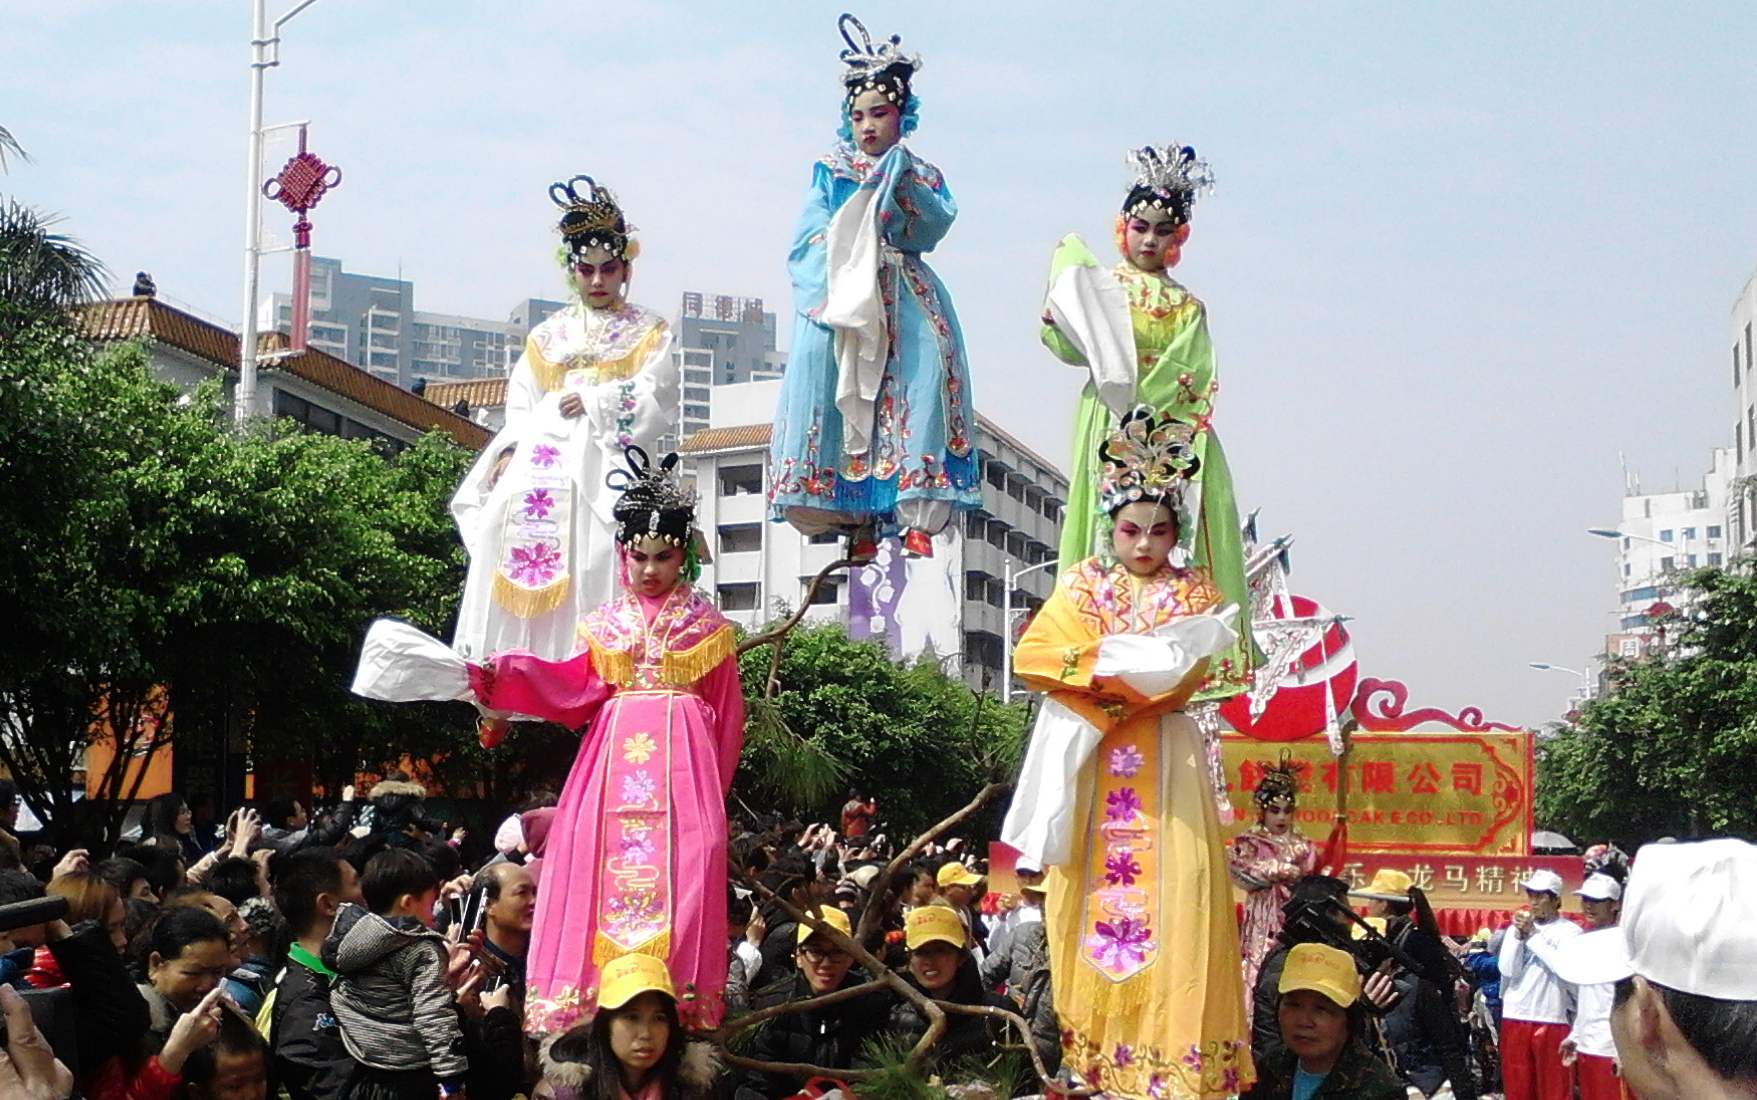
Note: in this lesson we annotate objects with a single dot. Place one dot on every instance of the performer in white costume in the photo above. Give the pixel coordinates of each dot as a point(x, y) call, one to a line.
point(534, 510)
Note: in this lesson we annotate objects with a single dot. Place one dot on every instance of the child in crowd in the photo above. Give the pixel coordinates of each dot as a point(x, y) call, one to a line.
point(390, 994)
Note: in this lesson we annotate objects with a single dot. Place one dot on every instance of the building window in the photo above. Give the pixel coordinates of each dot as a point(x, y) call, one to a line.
point(695, 393)
point(1689, 533)
point(1735, 366)
point(737, 481)
point(741, 538)
point(825, 538)
point(1665, 535)
point(1668, 563)
point(826, 592)
point(1690, 561)
point(974, 582)
point(1627, 569)
point(1714, 531)
point(737, 597)
point(1714, 558)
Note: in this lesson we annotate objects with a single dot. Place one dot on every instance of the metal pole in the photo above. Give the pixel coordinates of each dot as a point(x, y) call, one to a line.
point(244, 402)
point(264, 54)
point(1011, 577)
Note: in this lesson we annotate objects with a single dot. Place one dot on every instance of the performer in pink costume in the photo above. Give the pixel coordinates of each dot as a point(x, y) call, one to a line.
point(636, 857)
point(1266, 860)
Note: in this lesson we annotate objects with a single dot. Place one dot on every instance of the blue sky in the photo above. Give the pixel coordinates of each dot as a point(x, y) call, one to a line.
point(1460, 255)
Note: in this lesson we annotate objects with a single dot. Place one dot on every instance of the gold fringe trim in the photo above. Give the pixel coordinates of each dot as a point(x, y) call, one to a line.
point(705, 656)
point(605, 949)
point(551, 375)
point(528, 603)
point(547, 374)
point(1103, 997)
point(615, 665)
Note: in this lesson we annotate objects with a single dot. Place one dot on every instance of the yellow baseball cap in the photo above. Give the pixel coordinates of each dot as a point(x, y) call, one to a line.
point(1387, 885)
point(831, 916)
point(629, 976)
point(933, 922)
point(1323, 970)
point(956, 874)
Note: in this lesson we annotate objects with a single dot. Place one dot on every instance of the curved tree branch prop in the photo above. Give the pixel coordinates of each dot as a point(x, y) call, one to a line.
point(811, 590)
point(881, 884)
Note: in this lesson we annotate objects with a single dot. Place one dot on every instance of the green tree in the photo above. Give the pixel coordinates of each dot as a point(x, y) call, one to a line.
point(1671, 747)
point(909, 735)
point(43, 274)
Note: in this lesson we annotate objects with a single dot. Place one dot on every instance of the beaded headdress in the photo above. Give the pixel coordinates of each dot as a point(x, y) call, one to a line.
point(590, 217)
point(1167, 178)
point(1148, 457)
point(654, 503)
point(1280, 783)
point(883, 68)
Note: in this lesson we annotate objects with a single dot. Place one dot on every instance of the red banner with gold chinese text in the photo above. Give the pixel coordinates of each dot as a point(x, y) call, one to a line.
point(1432, 794)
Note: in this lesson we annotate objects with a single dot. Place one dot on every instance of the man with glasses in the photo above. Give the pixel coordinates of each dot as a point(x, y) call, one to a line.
point(829, 1036)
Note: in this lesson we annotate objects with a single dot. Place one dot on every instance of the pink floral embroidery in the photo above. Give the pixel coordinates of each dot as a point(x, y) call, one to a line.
point(1125, 1055)
point(1121, 946)
point(637, 847)
point(1121, 869)
point(534, 565)
point(638, 788)
point(1124, 804)
point(1156, 1086)
point(545, 455)
point(1193, 1058)
point(539, 503)
point(1126, 761)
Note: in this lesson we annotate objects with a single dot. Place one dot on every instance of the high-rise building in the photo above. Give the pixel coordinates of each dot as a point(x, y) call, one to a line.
point(371, 321)
point(721, 340)
point(1742, 506)
point(1662, 536)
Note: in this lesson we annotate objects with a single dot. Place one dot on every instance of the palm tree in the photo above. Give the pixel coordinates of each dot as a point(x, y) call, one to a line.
point(43, 275)
point(9, 144)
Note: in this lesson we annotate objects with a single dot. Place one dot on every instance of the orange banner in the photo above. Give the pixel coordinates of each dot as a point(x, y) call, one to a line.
point(1465, 794)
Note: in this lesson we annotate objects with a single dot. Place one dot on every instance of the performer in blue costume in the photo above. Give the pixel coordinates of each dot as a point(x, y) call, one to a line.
point(876, 428)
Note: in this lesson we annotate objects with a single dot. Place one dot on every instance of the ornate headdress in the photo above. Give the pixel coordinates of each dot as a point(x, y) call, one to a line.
point(1167, 178)
point(1280, 783)
point(1149, 457)
point(654, 503)
point(884, 68)
point(590, 217)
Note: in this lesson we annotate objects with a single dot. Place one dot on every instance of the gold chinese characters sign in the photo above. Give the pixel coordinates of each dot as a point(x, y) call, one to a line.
point(1469, 882)
point(1466, 794)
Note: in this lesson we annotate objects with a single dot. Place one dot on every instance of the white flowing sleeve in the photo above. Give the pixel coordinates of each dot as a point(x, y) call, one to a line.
point(1154, 664)
point(400, 664)
point(1091, 309)
point(1040, 822)
point(855, 310)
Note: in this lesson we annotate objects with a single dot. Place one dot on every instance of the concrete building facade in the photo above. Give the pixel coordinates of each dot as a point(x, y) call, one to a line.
point(1665, 535)
point(371, 321)
point(1742, 504)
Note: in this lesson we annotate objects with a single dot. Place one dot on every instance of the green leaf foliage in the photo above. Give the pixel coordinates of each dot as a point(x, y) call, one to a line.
point(1671, 747)
point(150, 544)
point(909, 735)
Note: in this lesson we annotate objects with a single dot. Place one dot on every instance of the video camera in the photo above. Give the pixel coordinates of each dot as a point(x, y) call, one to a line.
point(1326, 920)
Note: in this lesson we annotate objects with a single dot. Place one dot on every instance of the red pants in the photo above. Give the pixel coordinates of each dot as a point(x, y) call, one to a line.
point(1531, 1061)
point(1598, 1079)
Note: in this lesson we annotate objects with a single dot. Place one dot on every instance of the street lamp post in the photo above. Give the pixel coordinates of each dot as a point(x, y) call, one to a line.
point(1011, 577)
point(1585, 683)
point(265, 54)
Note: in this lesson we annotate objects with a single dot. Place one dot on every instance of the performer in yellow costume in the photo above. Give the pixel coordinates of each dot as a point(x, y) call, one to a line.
point(1115, 795)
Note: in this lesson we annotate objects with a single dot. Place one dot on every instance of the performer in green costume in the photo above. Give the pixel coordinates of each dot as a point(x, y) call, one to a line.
point(1144, 339)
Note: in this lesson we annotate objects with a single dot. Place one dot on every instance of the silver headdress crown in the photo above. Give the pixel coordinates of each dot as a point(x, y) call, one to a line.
point(591, 216)
point(654, 502)
point(1168, 177)
point(1148, 457)
point(884, 68)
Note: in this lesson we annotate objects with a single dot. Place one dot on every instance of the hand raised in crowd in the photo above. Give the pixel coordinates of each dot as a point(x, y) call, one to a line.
point(193, 1030)
point(756, 929)
point(348, 793)
point(1379, 991)
point(242, 829)
point(78, 860)
point(28, 1067)
point(260, 857)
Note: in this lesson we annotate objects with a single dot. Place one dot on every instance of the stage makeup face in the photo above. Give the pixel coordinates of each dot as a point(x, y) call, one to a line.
point(1151, 238)
point(877, 123)
point(654, 566)
point(601, 278)
point(1144, 536)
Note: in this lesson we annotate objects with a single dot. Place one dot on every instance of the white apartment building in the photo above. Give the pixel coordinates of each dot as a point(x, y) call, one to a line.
point(950, 605)
point(1742, 505)
point(1665, 535)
